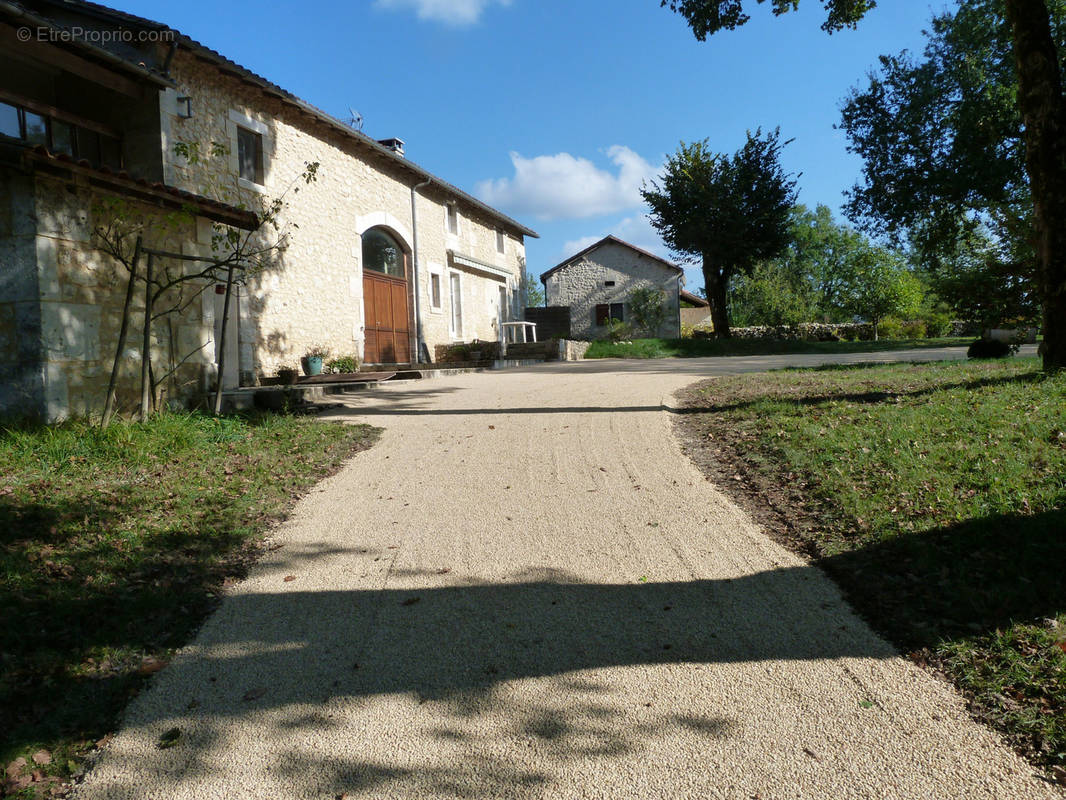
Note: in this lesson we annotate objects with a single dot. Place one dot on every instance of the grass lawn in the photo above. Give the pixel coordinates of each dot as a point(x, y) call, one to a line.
point(694, 348)
point(114, 546)
point(935, 495)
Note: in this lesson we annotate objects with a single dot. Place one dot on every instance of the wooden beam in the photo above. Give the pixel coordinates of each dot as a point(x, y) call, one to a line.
point(55, 55)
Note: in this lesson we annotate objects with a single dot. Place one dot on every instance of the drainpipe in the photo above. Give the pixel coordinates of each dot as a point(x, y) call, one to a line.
point(414, 268)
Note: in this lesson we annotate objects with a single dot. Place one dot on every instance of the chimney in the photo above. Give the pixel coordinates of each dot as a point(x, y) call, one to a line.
point(395, 145)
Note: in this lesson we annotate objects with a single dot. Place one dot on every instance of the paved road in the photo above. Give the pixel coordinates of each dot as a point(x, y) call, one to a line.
point(526, 591)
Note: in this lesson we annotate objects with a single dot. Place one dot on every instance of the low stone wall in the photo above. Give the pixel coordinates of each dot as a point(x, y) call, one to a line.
point(464, 352)
point(805, 331)
point(570, 350)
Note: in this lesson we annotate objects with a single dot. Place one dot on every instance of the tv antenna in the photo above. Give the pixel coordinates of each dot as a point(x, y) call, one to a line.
point(355, 119)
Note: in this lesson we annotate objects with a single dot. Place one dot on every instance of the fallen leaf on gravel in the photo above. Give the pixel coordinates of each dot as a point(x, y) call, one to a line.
point(811, 753)
point(255, 694)
point(410, 601)
point(170, 738)
point(42, 757)
point(492, 427)
point(289, 578)
point(446, 570)
point(148, 666)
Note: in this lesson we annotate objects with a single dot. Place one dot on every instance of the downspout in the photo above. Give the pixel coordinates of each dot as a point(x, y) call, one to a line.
point(680, 279)
point(414, 267)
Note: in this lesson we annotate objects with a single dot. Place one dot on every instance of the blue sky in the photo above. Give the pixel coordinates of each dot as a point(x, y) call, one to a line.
point(555, 111)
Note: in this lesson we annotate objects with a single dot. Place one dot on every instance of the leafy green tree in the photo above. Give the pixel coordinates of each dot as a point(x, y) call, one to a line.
point(728, 211)
point(980, 283)
point(532, 291)
point(647, 307)
point(770, 295)
point(881, 285)
point(1041, 104)
point(941, 138)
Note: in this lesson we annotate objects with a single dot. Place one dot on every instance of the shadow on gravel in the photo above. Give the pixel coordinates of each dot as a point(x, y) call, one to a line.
point(449, 648)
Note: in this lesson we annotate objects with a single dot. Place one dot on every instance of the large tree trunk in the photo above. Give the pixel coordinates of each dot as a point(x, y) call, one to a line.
point(1043, 110)
point(716, 284)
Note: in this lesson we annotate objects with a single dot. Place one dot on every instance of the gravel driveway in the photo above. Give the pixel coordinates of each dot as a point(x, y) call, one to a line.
point(526, 591)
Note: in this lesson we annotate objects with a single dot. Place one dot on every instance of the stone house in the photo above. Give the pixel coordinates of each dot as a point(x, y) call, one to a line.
point(377, 258)
point(596, 284)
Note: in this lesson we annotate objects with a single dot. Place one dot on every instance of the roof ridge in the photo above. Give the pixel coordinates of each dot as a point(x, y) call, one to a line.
point(610, 237)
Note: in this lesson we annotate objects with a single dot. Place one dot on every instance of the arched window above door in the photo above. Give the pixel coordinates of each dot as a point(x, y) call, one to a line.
point(383, 253)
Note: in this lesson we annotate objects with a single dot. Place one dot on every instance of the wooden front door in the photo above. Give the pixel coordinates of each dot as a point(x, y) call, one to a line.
point(388, 327)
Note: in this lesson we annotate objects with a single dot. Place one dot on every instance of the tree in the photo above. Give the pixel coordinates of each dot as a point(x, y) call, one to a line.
point(980, 283)
point(880, 285)
point(729, 211)
point(1043, 111)
point(173, 281)
point(532, 291)
point(647, 307)
point(941, 140)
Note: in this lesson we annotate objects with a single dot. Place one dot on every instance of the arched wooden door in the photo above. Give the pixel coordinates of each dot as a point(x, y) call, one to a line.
point(387, 324)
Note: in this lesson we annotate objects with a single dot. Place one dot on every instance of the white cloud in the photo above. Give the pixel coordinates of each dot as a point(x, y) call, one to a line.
point(563, 186)
point(450, 12)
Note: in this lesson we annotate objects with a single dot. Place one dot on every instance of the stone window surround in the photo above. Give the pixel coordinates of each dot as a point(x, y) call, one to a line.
point(451, 207)
point(234, 120)
point(434, 269)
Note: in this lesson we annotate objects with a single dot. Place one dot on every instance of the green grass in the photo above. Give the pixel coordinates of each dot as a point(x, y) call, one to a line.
point(935, 494)
point(114, 546)
point(694, 348)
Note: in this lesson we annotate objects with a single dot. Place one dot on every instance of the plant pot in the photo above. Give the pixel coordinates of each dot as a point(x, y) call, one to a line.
point(312, 365)
point(287, 376)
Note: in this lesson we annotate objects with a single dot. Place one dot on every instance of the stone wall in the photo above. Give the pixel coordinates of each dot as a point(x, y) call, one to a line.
point(21, 378)
point(79, 295)
point(313, 294)
point(582, 286)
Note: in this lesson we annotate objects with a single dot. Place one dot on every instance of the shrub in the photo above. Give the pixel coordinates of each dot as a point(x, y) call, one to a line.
point(648, 309)
point(343, 364)
point(618, 331)
point(990, 348)
point(937, 324)
point(913, 329)
point(890, 328)
point(687, 331)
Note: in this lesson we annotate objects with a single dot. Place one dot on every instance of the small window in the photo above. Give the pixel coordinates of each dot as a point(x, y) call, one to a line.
point(608, 283)
point(453, 218)
point(62, 137)
point(434, 290)
point(608, 311)
point(250, 155)
point(501, 242)
point(9, 121)
point(36, 128)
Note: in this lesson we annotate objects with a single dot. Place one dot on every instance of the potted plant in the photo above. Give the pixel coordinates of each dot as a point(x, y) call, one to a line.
point(313, 360)
point(287, 375)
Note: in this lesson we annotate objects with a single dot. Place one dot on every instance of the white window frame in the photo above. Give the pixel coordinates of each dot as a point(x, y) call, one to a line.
point(456, 335)
point(239, 120)
point(435, 271)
